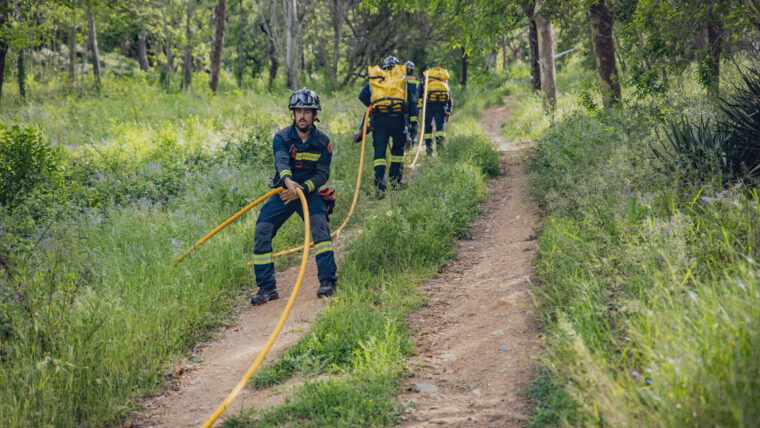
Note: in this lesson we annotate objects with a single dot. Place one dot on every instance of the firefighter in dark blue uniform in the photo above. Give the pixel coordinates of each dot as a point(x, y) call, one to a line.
point(302, 156)
point(385, 127)
point(414, 87)
point(435, 112)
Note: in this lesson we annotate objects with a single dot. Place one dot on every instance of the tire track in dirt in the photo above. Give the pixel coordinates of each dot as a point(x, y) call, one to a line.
point(478, 338)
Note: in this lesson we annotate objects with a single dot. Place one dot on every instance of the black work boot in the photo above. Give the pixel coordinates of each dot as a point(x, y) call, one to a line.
point(379, 194)
point(326, 288)
point(264, 296)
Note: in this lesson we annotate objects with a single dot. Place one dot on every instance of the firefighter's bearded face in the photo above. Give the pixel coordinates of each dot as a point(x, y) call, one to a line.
point(304, 118)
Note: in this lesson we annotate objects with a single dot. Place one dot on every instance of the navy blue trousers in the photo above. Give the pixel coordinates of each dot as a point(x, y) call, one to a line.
point(273, 215)
point(434, 112)
point(386, 128)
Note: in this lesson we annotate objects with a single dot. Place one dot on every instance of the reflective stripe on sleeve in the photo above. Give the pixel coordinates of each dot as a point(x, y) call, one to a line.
point(285, 172)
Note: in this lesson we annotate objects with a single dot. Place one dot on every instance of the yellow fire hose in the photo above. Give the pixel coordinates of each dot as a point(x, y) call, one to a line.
point(227, 223)
point(422, 130)
point(291, 301)
point(356, 193)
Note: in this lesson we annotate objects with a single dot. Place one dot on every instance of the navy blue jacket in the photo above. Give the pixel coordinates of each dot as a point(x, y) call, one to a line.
point(365, 96)
point(306, 163)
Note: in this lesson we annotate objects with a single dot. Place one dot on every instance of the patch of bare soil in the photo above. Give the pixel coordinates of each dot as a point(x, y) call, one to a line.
point(200, 387)
point(478, 338)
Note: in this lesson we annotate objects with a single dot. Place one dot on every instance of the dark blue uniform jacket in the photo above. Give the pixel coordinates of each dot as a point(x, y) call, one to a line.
point(307, 163)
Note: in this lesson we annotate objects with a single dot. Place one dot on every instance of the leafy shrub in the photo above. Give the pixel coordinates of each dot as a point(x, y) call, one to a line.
point(26, 161)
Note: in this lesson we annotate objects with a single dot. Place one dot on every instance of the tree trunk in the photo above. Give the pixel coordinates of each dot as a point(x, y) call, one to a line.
point(216, 52)
point(21, 74)
point(3, 43)
point(604, 46)
point(337, 20)
point(187, 56)
point(240, 53)
point(546, 58)
point(95, 56)
point(291, 59)
point(621, 60)
point(715, 48)
point(535, 67)
point(505, 45)
point(465, 61)
point(142, 50)
point(72, 53)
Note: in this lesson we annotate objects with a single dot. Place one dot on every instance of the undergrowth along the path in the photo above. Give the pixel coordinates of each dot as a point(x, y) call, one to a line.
point(651, 295)
point(362, 339)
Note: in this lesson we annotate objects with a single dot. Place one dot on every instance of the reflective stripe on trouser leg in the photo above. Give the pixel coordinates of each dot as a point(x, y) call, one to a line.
point(380, 138)
point(397, 156)
point(320, 234)
point(272, 216)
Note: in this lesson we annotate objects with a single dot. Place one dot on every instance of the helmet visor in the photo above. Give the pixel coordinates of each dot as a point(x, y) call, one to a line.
point(302, 100)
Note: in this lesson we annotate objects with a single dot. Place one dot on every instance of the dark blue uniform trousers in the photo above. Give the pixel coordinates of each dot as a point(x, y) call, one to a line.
point(434, 112)
point(385, 128)
point(273, 215)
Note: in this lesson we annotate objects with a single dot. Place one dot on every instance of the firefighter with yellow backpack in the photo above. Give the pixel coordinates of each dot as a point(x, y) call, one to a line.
point(438, 108)
point(414, 86)
point(392, 103)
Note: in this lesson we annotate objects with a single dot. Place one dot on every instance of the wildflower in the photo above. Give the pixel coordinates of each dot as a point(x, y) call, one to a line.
point(389, 213)
point(361, 231)
point(337, 233)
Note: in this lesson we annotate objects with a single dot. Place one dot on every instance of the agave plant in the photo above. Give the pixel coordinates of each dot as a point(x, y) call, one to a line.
point(693, 146)
point(742, 125)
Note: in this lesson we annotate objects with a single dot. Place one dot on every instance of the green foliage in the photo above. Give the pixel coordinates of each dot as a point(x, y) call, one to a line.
point(729, 145)
point(650, 284)
point(27, 161)
point(742, 122)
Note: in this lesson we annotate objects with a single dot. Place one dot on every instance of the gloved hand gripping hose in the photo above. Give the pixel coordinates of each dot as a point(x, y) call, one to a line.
point(288, 307)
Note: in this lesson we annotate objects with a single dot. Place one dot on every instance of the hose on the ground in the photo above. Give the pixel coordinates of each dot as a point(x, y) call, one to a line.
point(285, 313)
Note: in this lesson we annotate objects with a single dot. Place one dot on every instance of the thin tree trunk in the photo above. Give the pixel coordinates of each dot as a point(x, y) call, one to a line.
point(3, 43)
point(142, 50)
point(291, 24)
point(546, 58)
point(505, 45)
point(216, 52)
point(715, 48)
point(240, 53)
point(187, 56)
point(465, 63)
point(21, 75)
point(337, 19)
point(621, 60)
point(72, 54)
point(604, 45)
point(93, 44)
point(535, 67)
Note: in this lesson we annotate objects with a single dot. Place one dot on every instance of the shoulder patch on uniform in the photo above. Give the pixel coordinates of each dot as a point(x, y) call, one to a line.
point(329, 147)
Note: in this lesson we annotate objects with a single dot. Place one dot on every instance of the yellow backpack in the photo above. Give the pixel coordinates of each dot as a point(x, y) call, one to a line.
point(437, 85)
point(388, 88)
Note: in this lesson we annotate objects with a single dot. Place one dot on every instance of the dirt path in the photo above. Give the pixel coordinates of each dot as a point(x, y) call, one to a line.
point(201, 387)
point(478, 338)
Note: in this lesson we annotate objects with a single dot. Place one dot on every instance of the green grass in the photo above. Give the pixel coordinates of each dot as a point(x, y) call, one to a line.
point(650, 280)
